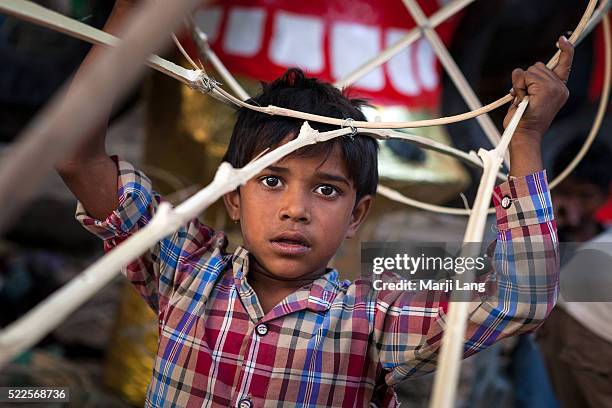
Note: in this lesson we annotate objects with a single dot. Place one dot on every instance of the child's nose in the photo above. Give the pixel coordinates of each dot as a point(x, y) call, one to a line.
point(295, 206)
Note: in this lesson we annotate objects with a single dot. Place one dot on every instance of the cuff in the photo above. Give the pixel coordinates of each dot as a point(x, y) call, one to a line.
point(523, 201)
point(136, 202)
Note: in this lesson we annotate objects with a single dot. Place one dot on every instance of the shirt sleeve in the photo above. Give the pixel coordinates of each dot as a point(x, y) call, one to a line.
point(522, 288)
point(156, 273)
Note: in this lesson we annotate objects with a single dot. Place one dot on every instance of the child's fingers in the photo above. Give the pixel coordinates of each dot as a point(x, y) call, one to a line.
point(518, 85)
point(563, 68)
point(534, 75)
point(548, 80)
point(541, 67)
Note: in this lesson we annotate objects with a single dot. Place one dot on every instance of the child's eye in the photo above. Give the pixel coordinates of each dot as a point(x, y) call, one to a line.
point(271, 181)
point(327, 190)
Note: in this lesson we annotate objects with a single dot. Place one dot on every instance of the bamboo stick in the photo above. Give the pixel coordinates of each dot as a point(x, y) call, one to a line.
point(601, 11)
point(451, 68)
point(447, 375)
point(436, 19)
point(202, 42)
point(39, 15)
point(67, 120)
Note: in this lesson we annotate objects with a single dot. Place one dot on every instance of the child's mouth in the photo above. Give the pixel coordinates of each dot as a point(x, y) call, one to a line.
point(290, 248)
point(291, 243)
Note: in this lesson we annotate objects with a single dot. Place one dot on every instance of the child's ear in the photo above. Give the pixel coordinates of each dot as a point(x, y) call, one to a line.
point(360, 212)
point(232, 204)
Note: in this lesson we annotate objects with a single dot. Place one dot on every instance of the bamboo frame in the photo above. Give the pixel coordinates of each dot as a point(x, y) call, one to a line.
point(599, 16)
point(413, 35)
point(201, 40)
point(453, 338)
point(451, 68)
point(47, 315)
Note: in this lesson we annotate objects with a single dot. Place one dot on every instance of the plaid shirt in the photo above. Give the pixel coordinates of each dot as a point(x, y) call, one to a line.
point(330, 343)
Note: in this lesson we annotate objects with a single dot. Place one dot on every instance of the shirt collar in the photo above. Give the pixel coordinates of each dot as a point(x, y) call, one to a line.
point(317, 296)
point(240, 263)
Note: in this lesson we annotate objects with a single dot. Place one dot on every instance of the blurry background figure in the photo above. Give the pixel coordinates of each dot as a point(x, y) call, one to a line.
point(581, 195)
point(576, 339)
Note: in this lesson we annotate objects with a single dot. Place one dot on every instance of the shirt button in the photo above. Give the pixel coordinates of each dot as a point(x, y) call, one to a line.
point(506, 202)
point(262, 329)
point(245, 403)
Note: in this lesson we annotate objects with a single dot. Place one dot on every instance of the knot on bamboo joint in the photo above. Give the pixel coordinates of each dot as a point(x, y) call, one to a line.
point(350, 123)
point(308, 134)
point(204, 83)
point(225, 174)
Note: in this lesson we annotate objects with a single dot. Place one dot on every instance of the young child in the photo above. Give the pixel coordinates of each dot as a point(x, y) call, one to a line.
point(270, 324)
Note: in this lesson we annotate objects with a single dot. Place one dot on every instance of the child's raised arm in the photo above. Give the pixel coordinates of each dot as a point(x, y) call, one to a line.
point(523, 287)
point(88, 171)
point(547, 95)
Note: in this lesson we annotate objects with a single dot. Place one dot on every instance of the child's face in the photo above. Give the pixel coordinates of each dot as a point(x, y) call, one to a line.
point(295, 214)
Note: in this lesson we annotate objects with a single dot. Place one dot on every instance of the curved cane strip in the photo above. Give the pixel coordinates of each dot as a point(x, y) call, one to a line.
point(601, 113)
point(200, 81)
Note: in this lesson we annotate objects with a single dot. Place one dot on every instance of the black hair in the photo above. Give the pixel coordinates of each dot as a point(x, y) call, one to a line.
point(594, 168)
point(254, 131)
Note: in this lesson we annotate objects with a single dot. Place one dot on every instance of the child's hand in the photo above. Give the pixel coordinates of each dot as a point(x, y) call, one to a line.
point(547, 94)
